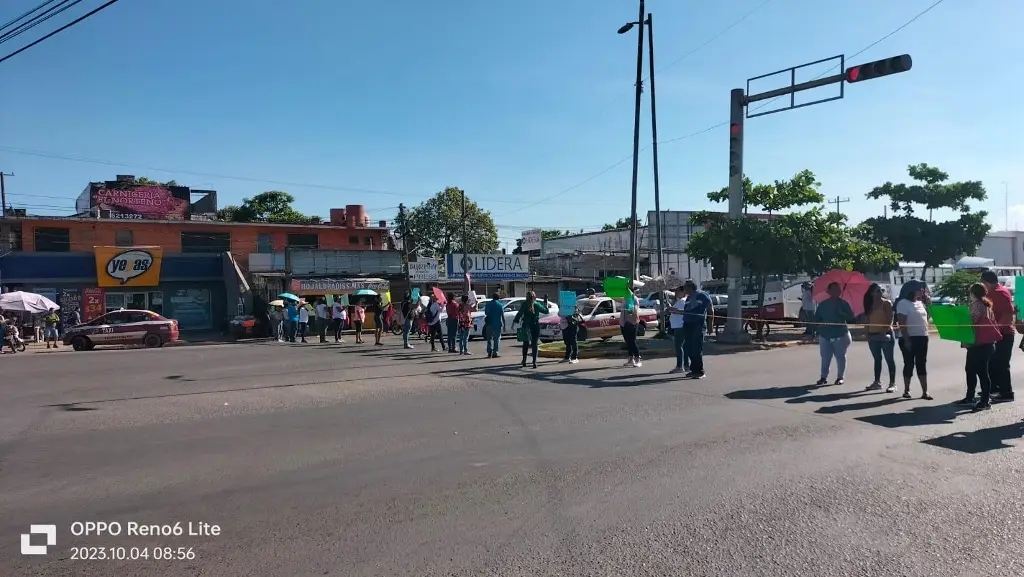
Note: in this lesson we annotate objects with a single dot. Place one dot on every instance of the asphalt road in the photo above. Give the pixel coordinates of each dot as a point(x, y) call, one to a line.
point(378, 461)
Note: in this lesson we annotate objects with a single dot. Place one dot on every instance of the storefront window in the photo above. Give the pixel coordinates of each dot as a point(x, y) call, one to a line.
point(191, 308)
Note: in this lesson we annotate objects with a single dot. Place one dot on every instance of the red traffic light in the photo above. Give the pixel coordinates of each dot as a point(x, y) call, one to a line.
point(734, 129)
point(879, 68)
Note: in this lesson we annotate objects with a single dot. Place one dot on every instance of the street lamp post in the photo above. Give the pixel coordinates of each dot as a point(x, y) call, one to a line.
point(649, 22)
point(636, 138)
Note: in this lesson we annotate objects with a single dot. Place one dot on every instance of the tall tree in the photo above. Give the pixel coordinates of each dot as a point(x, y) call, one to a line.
point(810, 241)
point(270, 206)
point(924, 240)
point(437, 227)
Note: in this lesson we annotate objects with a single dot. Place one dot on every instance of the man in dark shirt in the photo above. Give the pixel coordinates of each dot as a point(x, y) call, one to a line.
point(695, 312)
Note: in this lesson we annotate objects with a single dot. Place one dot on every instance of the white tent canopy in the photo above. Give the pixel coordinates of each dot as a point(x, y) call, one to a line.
point(22, 301)
point(974, 262)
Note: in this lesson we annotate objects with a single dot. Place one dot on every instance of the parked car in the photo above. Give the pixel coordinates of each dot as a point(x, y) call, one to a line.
point(510, 308)
point(601, 318)
point(123, 327)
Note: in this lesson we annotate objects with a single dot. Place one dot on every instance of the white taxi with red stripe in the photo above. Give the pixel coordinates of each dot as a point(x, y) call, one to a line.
point(601, 318)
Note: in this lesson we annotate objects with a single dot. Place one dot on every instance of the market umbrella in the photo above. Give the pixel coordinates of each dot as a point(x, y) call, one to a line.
point(365, 293)
point(289, 296)
point(277, 303)
point(854, 286)
point(26, 302)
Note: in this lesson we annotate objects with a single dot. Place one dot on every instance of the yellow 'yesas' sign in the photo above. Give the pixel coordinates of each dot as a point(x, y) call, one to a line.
point(135, 266)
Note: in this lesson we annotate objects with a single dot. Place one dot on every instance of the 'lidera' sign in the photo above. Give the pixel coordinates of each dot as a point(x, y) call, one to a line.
point(489, 266)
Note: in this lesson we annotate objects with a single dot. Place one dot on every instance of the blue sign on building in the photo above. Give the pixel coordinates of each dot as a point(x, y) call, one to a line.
point(489, 266)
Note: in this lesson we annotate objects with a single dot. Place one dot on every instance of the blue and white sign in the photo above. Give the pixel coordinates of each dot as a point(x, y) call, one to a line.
point(489, 266)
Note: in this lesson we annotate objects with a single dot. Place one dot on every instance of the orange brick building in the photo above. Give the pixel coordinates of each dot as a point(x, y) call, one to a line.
point(42, 234)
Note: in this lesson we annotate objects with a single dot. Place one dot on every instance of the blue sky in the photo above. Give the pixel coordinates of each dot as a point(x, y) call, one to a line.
point(516, 102)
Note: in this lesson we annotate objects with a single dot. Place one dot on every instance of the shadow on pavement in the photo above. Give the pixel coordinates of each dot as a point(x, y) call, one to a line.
point(979, 441)
point(565, 376)
point(916, 417)
point(772, 393)
point(836, 409)
point(828, 398)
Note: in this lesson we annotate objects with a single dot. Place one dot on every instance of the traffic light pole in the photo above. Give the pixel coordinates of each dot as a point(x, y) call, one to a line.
point(739, 99)
point(734, 332)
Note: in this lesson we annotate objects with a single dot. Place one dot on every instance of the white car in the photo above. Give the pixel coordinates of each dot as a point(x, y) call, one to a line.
point(479, 314)
point(511, 307)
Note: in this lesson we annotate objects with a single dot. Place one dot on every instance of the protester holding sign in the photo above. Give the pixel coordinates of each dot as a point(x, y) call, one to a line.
point(529, 331)
point(1003, 312)
point(980, 353)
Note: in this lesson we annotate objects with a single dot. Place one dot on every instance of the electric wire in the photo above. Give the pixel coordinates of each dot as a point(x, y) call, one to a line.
point(36, 21)
point(85, 16)
point(720, 124)
point(27, 14)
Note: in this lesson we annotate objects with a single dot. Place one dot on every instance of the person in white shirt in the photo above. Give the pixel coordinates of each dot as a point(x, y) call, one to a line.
point(338, 314)
point(303, 320)
point(675, 323)
point(912, 322)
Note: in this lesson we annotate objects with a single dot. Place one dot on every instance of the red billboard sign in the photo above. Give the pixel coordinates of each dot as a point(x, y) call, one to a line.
point(93, 303)
point(142, 201)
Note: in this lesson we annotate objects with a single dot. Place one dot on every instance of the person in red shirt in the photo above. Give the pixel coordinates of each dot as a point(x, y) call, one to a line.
point(1004, 313)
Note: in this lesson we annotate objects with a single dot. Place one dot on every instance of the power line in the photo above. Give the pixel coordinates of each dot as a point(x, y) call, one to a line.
point(37, 20)
point(142, 167)
point(27, 14)
point(704, 44)
point(822, 75)
point(721, 124)
point(58, 31)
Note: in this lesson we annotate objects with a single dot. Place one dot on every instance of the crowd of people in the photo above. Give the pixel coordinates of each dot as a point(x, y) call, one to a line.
point(902, 325)
point(905, 325)
point(294, 320)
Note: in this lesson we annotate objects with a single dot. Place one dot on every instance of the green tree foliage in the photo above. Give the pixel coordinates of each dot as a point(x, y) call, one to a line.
point(811, 241)
point(436, 227)
point(619, 224)
point(924, 240)
point(143, 180)
point(271, 206)
point(957, 285)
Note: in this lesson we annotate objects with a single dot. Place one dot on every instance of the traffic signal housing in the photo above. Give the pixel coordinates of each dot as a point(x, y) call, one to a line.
point(879, 68)
point(735, 149)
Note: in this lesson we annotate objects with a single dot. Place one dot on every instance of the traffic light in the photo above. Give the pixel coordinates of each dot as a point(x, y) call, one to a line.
point(735, 149)
point(879, 68)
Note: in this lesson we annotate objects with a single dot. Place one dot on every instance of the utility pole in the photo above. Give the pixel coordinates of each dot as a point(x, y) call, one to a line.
point(657, 188)
point(403, 230)
point(3, 192)
point(636, 145)
point(837, 202)
point(739, 101)
point(465, 249)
